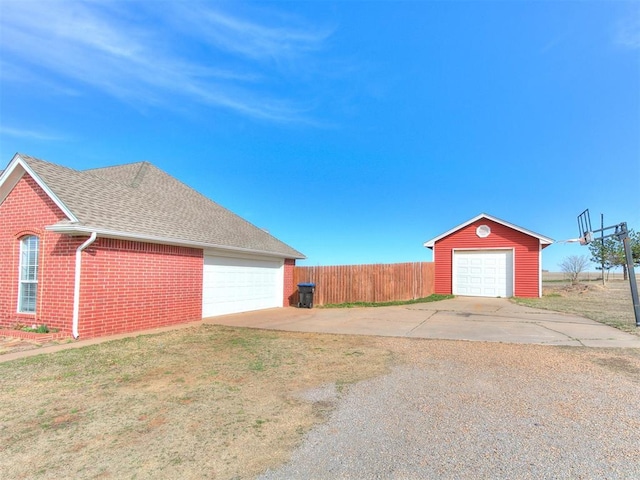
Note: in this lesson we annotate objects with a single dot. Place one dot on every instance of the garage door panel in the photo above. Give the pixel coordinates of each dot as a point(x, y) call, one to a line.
point(486, 273)
point(233, 285)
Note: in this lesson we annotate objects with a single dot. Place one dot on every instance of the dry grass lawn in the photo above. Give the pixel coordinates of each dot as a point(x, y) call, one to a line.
point(203, 402)
point(609, 304)
point(224, 403)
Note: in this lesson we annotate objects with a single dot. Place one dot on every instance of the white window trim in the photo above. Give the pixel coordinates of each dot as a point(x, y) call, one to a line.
point(21, 281)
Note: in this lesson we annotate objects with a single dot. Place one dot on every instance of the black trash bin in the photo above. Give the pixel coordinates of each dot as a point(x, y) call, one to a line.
point(305, 291)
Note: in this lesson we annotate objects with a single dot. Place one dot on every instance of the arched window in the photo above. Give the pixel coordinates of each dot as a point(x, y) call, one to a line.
point(28, 287)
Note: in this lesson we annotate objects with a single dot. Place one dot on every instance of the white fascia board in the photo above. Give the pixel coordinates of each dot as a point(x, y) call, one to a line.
point(212, 252)
point(12, 175)
point(543, 240)
point(84, 230)
point(431, 243)
point(10, 178)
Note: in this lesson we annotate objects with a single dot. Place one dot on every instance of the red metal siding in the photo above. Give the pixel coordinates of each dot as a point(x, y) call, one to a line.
point(526, 255)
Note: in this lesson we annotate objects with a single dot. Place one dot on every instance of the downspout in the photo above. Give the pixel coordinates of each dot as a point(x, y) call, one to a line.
point(76, 286)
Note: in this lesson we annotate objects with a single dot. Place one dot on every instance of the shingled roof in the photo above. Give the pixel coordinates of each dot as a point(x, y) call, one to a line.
point(140, 201)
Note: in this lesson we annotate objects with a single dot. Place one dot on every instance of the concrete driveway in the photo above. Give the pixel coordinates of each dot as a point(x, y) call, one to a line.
point(460, 318)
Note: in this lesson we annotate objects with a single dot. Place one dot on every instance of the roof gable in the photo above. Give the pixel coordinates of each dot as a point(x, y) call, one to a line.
point(543, 240)
point(140, 201)
point(18, 167)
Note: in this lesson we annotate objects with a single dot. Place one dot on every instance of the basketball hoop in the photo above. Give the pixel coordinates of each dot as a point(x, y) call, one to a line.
point(584, 227)
point(586, 239)
point(580, 240)
point(620, 233)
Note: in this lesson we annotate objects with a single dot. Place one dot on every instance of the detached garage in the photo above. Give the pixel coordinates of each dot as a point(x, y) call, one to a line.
point(488, 257)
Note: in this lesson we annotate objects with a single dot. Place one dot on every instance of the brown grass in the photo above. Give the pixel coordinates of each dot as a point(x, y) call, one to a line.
point(205, 402)
point(610, 304)
point(225, 403)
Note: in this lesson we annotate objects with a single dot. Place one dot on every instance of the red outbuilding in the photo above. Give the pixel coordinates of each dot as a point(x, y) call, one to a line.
point(488, 257)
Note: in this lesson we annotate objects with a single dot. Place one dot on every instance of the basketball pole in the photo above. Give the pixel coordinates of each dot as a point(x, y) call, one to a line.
point(621, 233)
point(626, 241)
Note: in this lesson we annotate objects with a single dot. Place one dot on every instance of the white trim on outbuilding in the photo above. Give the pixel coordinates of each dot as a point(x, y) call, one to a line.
point(543, 240)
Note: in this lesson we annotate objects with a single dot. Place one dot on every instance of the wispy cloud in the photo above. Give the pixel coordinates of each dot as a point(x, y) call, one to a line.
point(157, 53)
point(628, 32)
point(29, 134)
point(250, 38)
point(20, 74)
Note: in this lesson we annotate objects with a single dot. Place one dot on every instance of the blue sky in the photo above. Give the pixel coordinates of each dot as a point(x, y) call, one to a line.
point(354, 131)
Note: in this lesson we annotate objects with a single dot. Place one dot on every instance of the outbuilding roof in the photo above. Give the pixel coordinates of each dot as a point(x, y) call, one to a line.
point(139, 201)
point(543, 240)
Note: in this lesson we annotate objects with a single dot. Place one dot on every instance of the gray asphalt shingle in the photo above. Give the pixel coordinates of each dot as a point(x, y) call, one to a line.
point(141, 200)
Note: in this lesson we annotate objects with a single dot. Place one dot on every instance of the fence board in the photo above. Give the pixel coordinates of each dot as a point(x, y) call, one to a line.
point(368, 283)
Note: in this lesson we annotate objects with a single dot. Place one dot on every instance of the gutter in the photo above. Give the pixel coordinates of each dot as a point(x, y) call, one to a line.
point(75, 230)
point(76, 286)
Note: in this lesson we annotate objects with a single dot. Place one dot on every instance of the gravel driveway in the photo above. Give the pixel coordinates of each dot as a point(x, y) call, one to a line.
point(479, 410)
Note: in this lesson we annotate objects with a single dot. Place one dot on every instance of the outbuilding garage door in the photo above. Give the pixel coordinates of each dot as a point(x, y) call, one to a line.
point(233, 285)
point(483, 273)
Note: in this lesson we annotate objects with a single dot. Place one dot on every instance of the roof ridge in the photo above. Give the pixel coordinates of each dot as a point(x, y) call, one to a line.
point(211, 201)
point(201, 196)
point(31, 158)
point(120, 165)
point(144, 166)
point(95, 173)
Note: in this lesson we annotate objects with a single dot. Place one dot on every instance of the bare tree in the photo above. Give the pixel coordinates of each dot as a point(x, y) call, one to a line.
point(573, 266)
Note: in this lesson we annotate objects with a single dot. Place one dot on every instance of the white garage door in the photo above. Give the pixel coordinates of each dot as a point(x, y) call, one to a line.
point(233, 285)
point(483, 273)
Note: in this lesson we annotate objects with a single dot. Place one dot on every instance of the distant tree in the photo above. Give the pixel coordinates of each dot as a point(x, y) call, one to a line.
point(635, 247)
point(613, 252)
point(608, 254)
point(573, 266)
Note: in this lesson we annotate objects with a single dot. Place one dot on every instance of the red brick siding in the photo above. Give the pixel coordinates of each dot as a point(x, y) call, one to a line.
point(28, 210)
point(526, 255)
point(290, 288)
point(126, 286)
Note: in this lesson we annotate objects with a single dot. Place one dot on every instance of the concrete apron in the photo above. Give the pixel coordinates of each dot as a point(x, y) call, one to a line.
point(460, 318)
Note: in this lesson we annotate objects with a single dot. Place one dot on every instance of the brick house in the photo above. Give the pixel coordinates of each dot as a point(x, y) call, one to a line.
point(488, 257)
point(126, 248)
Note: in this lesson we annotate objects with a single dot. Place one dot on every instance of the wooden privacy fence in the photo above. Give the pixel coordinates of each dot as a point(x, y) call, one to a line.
point(367, 283)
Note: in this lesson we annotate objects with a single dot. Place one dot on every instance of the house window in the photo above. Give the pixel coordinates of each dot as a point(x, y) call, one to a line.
point(28, 274)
